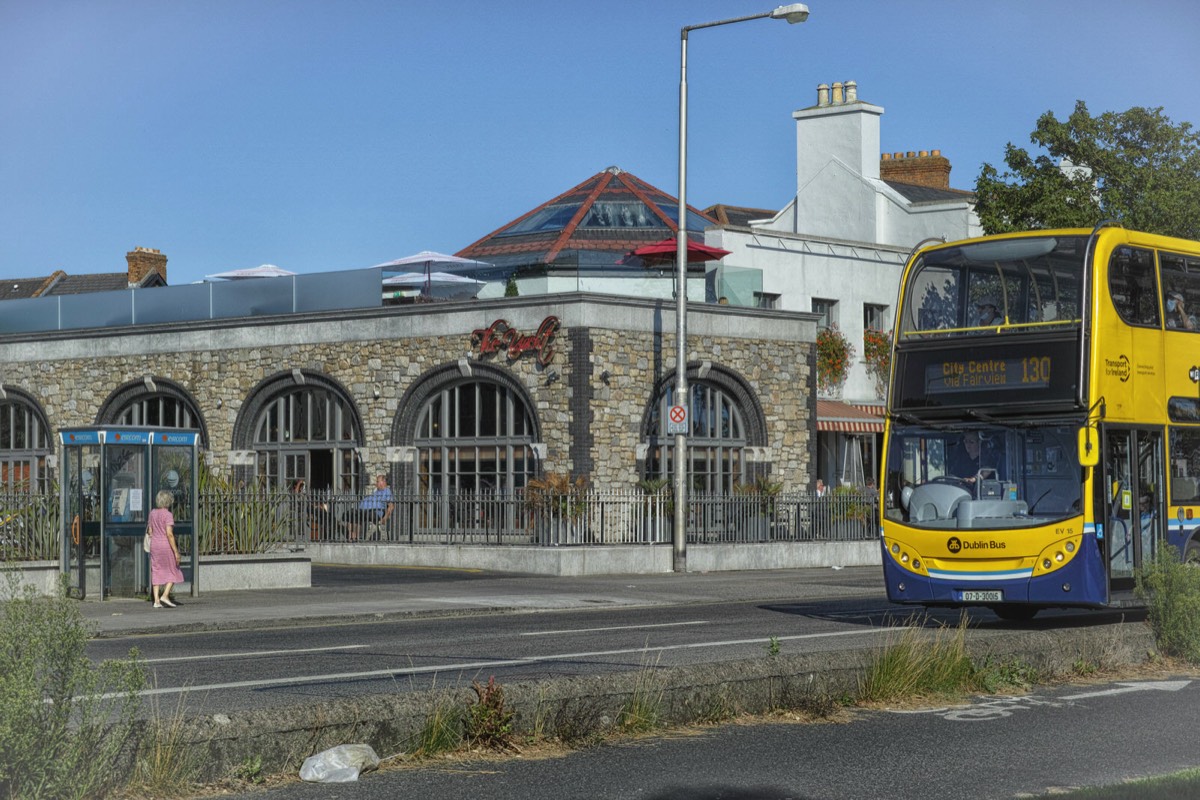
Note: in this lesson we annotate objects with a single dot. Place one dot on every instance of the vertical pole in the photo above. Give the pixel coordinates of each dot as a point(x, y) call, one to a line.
point(679, 549)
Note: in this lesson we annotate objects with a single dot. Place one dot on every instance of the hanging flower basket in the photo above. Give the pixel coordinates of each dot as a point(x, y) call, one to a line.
point(877, 352)
point(834, 353)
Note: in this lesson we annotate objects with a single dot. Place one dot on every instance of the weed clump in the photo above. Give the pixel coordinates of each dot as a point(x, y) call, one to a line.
point(1171, 590)
point(487, 722)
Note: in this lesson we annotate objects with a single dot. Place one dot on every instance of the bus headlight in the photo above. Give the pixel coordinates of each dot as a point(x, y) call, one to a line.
point(1059, 557)
point(1070, 547)
point(1046, 564)
point(895, 548)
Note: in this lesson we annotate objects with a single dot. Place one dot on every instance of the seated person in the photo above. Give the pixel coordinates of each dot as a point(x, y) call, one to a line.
point(1177, 316)
point(987, 313)
point(376, 507)
point(970, 455)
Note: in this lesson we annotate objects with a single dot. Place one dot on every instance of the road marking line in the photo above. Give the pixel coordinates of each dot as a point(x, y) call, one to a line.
point(617, 628)
point(1162, 686)
point(510, 662)
point(251, 654)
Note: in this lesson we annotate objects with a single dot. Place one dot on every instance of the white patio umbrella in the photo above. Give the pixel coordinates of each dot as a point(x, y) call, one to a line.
point(265, 271)
point(431, 261)
point(439, 285)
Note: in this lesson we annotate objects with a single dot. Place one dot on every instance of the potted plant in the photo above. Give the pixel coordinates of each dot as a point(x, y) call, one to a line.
point(658, 508)
point(557, 503)
point(758, 506)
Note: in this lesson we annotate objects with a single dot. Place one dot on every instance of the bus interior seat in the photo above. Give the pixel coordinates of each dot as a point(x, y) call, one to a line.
point(934, 501)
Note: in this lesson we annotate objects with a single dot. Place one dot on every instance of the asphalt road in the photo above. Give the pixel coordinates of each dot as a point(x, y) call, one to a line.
point(992, 747)
point(285, 662)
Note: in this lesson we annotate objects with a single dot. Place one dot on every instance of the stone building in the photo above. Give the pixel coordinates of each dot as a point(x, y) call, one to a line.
point(460, 396)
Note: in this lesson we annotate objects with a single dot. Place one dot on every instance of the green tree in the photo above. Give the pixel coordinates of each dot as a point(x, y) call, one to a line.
point(1134, 166)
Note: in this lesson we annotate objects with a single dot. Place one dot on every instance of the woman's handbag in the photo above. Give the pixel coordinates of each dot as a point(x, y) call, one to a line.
point(146, 541)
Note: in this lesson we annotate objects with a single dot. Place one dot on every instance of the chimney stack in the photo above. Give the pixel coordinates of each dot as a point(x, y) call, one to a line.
point(144, 260)
point(927, 168)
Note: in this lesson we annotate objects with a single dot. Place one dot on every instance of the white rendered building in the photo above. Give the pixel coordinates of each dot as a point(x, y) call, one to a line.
point(837, 249)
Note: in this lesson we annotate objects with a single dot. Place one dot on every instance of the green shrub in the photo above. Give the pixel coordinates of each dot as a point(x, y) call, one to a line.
point(1171, 591)
point(65, 723)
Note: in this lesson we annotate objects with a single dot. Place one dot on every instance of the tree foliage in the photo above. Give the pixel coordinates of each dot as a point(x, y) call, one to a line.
point(1135, 166)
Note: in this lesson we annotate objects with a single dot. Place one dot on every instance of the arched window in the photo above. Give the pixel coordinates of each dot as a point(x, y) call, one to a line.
point(474, 436)
point(302, 427)
point(24, 445)
point(724, 420)
point(153, 403)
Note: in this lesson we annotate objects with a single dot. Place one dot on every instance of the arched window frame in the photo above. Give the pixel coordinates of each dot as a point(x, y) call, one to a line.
point(153, 402)
point(290, 415)
point(25, 444)
point(513, 435)
point(726, 420)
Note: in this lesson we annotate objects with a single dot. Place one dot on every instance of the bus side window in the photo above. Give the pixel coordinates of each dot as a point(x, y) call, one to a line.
point(1185, 458)
point(1131, 284)
point(1181, 290)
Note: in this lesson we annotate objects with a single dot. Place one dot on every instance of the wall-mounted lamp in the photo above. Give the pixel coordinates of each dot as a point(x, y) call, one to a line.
point(220, 402)
point(604, 376)
point(551, 376)
point(375, 391)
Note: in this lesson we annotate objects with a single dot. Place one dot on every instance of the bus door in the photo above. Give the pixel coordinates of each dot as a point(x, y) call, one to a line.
point(1132, 486)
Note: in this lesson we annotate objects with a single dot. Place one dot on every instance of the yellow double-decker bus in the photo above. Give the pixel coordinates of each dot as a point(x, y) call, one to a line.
point(1043, 421)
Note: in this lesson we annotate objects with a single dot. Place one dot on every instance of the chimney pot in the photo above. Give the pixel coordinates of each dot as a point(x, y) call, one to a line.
point(823, 95)
point(837, 93)
point(851, 92)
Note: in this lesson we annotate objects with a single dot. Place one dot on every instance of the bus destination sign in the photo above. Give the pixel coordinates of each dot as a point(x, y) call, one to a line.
point(984, 374)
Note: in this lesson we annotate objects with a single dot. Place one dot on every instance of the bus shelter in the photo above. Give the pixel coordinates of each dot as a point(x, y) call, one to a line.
point(109, 479)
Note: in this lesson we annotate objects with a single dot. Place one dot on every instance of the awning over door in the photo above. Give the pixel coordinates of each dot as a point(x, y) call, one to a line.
point(833, 415)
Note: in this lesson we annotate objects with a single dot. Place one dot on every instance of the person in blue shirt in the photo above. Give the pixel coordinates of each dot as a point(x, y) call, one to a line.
point(376, 507)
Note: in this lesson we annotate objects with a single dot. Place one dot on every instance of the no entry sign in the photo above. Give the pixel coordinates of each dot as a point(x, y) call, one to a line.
point(677, 420)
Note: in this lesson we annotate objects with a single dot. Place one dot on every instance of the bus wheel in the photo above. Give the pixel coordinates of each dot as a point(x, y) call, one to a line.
point(1191, 553)
point(1015, 613)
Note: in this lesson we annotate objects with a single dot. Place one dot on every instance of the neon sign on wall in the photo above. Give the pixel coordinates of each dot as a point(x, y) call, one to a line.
point(499, 336)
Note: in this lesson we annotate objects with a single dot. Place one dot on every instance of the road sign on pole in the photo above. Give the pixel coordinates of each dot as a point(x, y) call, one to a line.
point(677, 420)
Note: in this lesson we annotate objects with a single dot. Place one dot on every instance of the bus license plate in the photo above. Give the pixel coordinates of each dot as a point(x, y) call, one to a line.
point(983, 597)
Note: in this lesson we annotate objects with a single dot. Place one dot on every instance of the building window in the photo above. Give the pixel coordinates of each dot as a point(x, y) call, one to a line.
point(474, 437)
point(24, 446)
point(766, 299)
point(308, 433)
point(875, 317)
point(825, 308)
point(152, 403)
point(716, 440)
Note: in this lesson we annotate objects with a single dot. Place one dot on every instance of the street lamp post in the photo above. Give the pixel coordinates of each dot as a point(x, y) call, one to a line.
point(793, 13)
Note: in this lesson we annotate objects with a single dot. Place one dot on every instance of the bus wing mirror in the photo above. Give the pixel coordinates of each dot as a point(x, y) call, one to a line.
point(1089, 446)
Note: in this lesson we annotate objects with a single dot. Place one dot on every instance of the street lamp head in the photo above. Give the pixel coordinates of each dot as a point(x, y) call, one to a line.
point(793, 13)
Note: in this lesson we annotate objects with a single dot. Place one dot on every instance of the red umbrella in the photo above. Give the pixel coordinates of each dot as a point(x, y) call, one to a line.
point(664, 252)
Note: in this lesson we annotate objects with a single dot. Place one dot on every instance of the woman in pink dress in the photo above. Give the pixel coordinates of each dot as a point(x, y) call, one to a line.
point(164, 555)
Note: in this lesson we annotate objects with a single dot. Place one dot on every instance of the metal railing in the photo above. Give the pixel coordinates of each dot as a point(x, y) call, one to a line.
point(257, 522)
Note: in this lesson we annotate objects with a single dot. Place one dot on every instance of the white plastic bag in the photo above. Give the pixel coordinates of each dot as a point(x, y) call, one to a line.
point(341, 764)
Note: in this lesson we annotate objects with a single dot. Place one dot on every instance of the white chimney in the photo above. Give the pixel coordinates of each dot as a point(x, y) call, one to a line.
point(846, 130)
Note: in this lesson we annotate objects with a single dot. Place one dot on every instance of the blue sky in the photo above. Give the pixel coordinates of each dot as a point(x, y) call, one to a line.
point(340, 134)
